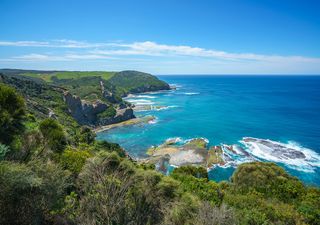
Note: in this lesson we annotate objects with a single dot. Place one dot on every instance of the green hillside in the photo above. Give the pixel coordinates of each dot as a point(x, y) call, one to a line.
point(135, 82)
point(49, 175)
point(53, 171)
point(48, 75)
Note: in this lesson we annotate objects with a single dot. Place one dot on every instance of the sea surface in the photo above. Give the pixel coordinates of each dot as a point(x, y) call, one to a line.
point(280, 111)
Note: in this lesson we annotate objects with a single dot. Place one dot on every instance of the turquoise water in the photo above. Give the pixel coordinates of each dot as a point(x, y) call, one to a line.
point(224, 109)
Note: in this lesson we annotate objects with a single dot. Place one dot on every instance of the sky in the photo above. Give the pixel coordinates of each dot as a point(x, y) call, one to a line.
point(162, 37)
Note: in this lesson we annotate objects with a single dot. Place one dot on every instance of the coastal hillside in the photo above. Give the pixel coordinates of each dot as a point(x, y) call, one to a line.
point(137, 82)
point(54, 171)
point(90, 98)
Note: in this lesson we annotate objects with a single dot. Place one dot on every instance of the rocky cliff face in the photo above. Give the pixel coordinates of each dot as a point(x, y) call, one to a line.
point(89, 97)
point(86, 113)
point(121, 115)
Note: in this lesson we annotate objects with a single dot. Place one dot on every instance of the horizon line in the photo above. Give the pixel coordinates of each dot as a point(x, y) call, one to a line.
point(174, 74)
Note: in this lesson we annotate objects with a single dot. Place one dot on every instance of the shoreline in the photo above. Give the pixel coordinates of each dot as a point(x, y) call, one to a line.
point(134, 121)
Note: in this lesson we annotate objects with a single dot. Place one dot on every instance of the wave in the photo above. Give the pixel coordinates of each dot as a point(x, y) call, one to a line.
point(140, 101)
point(165, 107)
point(154, 121)
point(191, 93)
point(174, 140)
point(290, 154)
point(139, 96)
point(202, 138)
point(175, 85)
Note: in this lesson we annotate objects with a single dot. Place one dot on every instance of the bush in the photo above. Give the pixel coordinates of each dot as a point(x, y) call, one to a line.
point(309, 206)
point(201, 187)
point(3, 151)
point(12, 113)
point(109, 112)
point(73, 159)
point(267, 178)
point(87, 135)
point(198, 172)
point(209, 215)
point(29, 192)
point(53, 134)
point(110, 147)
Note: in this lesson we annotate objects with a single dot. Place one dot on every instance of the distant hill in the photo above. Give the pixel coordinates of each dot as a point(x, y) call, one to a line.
point(91, 97)
point(136, 82)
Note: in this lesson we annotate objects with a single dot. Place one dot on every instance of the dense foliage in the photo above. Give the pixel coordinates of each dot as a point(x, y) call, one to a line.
point(57, 173)
point(53, 134)
point(12, 112)
point(135, 82)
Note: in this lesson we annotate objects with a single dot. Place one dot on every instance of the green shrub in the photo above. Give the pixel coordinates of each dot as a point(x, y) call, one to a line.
point(3, 151)
point(196, 171)
point(30, 192)
point(53, 134)
point(12, 113)
point(108, 113)
point(73, 159)
point(110, 147)
point(201, 187)
point(87, 135)
point(309, 206)
point(268, 179)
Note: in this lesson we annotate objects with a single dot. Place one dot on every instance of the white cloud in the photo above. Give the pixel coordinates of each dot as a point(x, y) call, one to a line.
point(172, 58)
point(66, 57)
point(60, 43)
point(149, 48)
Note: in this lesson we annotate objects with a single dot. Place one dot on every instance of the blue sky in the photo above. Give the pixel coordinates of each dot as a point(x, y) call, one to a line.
point(162, 37)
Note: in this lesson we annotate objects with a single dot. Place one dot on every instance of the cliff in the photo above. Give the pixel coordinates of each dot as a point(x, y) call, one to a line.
point(88, 98)
point(86, 113)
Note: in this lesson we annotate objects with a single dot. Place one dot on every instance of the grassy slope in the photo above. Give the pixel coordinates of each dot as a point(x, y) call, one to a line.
point(70, 75)
point(86, 84)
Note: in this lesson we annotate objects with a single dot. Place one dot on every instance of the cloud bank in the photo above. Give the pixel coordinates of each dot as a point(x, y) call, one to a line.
point(153, 57)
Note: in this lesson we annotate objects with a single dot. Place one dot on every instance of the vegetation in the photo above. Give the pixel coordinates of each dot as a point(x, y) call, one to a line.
point(109, 112)
point(135, 82)
point(55, 172)
point(53, 134)
point(12, 112)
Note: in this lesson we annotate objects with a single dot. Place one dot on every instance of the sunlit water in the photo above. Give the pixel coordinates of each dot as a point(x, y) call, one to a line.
point(224, 109)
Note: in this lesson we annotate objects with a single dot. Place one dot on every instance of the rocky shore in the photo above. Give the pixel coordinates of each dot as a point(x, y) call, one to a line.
point(192, 152)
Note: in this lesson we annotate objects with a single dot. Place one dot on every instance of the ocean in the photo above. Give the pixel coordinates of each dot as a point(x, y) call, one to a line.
point(281, 113)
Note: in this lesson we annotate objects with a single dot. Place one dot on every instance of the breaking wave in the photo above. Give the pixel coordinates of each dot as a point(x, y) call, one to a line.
point(191, 93)
point(140, 101)
point(140, 96)
point(290, 154)
point(165, 107)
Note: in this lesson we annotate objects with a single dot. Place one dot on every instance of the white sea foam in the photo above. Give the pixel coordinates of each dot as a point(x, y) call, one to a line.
point(174, 140)
point(291, 154)
point(191, 93)
point(165, 107)
point(143, 96)
point(175, 85)
point(188, 140)
point(153, 121)
point(140, 101)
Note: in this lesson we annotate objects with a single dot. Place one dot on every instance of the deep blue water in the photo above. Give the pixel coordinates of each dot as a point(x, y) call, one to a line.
point(224, 109)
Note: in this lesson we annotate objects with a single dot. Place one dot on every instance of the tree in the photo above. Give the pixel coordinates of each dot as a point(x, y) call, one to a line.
point(12, 113)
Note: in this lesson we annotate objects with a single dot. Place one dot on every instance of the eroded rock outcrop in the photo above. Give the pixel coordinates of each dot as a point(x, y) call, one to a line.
point(86, 113)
